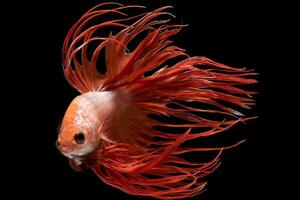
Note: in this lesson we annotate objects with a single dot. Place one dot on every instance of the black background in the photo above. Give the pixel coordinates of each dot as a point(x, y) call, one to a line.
point(240, 35)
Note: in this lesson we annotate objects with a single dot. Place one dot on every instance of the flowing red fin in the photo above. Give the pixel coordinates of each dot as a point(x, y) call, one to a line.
point(83, 75)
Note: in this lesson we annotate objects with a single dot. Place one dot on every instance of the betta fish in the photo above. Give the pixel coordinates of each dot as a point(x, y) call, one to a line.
point(110, 129)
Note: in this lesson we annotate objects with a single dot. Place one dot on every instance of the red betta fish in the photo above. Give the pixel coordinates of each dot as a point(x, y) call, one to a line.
point(110, 127)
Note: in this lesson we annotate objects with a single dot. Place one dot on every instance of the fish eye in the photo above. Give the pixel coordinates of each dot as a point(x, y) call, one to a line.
point(79, 138)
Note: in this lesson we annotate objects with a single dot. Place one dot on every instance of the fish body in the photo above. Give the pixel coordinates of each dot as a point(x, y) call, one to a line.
point(108, 127)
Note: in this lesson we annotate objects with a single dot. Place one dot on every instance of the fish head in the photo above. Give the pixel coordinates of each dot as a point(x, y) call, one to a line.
point(78, 132)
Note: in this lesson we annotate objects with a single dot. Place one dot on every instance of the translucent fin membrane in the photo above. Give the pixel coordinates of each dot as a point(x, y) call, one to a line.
point(143, 160)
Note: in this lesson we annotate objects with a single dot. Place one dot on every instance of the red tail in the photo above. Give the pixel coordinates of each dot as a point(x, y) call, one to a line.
point(143, 160)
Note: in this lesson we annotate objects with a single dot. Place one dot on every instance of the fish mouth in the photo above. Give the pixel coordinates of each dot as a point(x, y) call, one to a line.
point(64, 151)
point(72, 155)
point(67, 150)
